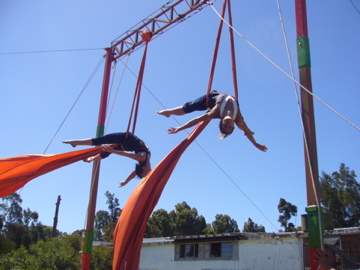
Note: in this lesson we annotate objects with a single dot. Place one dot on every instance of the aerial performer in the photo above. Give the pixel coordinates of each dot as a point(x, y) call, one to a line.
point(220, 106)
point(127, 145)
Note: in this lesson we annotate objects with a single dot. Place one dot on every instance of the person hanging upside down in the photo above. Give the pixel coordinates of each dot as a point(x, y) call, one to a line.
point(221, 106)
point(126, 145)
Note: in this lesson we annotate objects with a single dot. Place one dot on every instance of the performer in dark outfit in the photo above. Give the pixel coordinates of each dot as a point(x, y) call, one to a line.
point(221, 106)
point(125, 146)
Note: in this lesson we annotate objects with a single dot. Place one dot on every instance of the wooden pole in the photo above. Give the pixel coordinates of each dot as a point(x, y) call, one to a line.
point(314, 212)
point(89, 233)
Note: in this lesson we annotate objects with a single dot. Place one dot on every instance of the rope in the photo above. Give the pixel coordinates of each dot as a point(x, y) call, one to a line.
point(355, 6)
point(267, 58)
point(77, 99)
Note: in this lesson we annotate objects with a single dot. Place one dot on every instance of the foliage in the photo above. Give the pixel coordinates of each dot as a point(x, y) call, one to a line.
point(208, 229)
point(105, 221)
point(224, 224)
point(340, 195)
point(186, 220)
point(30, 216)
point(18, 225)
point(11, 209)
point(152, 230)
point(102, 258)
point(161, 224)
point(251, 226)
point(287, 210)
point(113, 203)
point(54, 253)
point(6, 245)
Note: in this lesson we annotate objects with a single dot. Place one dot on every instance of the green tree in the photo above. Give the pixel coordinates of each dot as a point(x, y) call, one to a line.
point(54, 253)
point(6, 245)
point(14, 222)
point(161, 221)
point(287, 210)
point(186, 220)
point(79, 232)
point(102, 258)
point(113, 204)
point(251, 226)
point(152, 230)
point(224, 224)
point(39, 231)
point(208, 229)
point(11, 209)
point(105, 221)
point(102, 219)
point(30, 216)
point(340, 195)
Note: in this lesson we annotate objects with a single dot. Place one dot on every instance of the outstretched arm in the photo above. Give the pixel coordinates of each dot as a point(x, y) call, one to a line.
point(249, 134)
point(191, 123)
point(140, 157)
point(128, 179)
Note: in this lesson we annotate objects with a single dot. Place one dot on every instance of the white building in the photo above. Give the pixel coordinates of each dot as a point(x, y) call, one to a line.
point(240, 251)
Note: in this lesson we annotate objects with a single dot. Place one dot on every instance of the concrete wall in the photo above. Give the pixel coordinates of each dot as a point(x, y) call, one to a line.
point(157, 257)
point(269, 254)
point(283, 254)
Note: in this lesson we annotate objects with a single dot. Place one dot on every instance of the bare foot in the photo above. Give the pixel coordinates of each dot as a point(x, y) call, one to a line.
point(70, 142)
point(165, 113)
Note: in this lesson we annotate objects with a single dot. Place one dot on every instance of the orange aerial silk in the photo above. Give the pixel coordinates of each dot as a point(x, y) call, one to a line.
point(16, 172)
point(131, 226)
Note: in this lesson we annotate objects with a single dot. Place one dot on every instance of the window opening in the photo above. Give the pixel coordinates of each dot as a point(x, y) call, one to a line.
point(188, 250)
point(222, 250)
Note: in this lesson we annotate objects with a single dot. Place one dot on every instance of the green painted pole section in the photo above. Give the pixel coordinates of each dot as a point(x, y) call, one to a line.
point(100, 131)
point(313, 221)
point(314, 212)
point(303, 51)
point(89, 233)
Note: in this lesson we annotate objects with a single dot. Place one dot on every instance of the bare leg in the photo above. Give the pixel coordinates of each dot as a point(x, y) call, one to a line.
point(174, 111)
point(74, 143)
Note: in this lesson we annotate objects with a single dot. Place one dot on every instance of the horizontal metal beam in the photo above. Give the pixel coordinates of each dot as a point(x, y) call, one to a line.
point(168, 15)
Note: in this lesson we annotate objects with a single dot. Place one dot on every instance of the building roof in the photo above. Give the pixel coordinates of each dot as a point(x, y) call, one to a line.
point(244, 236)
point(157, 241)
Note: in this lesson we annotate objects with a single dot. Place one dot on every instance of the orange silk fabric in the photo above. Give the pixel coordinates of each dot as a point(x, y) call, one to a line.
point(15, 172)
point(131, 226)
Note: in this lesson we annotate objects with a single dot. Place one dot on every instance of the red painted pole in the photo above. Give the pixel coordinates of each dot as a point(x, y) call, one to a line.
point(314, 213)
point(89, 233)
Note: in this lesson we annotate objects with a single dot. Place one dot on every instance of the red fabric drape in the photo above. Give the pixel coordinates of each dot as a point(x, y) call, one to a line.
point(136, 100)
point(216, 49)
point(15, 172)
point(131, 226)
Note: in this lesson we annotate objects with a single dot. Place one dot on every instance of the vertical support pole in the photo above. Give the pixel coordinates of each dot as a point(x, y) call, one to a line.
point(89, 233)
point(314, 216)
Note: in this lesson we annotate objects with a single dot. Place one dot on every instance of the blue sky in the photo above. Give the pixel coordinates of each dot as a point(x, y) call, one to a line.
point(217, 177)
